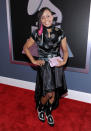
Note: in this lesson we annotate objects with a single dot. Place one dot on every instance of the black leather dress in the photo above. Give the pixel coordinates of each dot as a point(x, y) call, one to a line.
point(49, 78)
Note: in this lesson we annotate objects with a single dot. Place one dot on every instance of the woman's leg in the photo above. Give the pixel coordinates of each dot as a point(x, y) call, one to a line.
point(46, 105)
point(50, 96)
point(41, 107)
point(51, 99)
point(44, 99)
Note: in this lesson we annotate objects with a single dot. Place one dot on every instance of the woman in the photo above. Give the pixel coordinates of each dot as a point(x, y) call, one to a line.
point(50, 82)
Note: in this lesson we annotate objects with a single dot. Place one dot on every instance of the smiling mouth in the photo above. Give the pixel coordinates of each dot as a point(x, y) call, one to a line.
point(48, 23)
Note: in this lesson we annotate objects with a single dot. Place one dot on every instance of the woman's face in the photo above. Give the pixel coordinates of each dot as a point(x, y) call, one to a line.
point(47, 18)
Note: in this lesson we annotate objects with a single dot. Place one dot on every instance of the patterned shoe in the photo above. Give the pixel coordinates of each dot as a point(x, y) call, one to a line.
point(48, 111)
point(41, 115)
point(50, 120)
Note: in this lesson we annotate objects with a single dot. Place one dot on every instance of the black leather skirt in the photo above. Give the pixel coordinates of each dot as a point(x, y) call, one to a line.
point(50, 79)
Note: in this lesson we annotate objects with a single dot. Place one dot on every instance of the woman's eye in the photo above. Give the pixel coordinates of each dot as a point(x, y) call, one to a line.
point(42, 18)
point(48, 16)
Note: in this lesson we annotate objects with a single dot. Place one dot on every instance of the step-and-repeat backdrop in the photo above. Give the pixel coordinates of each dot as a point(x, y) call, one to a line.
point(72, 16)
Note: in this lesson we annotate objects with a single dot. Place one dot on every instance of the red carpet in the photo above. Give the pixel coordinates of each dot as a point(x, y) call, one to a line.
point(18, 113)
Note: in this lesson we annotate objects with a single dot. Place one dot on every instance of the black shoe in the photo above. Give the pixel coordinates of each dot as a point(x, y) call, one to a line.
point(49, 117)
point(40, 111)
point(50, 120)
point(41, 115)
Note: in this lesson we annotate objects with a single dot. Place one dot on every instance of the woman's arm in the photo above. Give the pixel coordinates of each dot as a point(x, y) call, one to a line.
point(65, 52)
point(26, 47)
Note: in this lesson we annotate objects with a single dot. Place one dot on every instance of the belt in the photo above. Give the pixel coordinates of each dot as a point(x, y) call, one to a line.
point(47, 57)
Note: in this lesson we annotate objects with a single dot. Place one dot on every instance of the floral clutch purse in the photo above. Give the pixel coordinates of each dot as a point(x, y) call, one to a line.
point(53, 61)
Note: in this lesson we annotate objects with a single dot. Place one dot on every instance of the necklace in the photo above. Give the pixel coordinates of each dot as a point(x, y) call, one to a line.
point(49, 27)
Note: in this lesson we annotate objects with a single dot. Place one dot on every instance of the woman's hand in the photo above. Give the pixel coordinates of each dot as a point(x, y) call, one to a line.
point(60, 63)
point(38, 62)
